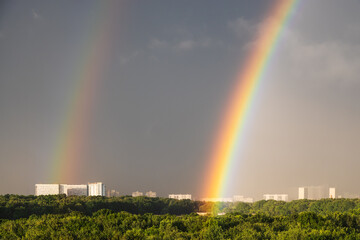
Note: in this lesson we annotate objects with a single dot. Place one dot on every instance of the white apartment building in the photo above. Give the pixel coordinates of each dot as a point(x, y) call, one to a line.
point(240, 198)
point(96, 189)
point(313, 192)
point(150, 194)
point(137, 194)
point(74, 190)
point(47, 189)
point(332, 193)
point(180, 196)
point(276, 197)
point(303, 193)
point(54, 189)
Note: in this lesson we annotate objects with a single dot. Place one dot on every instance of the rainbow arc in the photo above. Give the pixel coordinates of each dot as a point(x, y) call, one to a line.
point(250, 75)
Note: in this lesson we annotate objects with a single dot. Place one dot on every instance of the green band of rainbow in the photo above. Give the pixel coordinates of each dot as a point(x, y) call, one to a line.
point(248, 79)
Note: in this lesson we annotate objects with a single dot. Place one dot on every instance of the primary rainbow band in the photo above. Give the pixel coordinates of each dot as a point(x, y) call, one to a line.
point(88, 70)
point(248, 79)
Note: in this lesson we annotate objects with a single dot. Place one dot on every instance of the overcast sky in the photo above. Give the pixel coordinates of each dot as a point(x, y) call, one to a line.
point(163, 88)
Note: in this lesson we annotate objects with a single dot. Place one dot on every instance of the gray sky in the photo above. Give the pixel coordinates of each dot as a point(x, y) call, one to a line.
point(165, 85)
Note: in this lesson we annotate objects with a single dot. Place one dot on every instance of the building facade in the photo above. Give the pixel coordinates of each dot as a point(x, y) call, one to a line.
point(137, 194)
point(150, 194)
point(277, 197)
point(332, 193)
point(74, 190)
point(180, 196)
point(303, 193)
point(54, 189)
point(47, 189)
point(313, 192)
point(239, 198)
point(112, 193)
point(96, 189)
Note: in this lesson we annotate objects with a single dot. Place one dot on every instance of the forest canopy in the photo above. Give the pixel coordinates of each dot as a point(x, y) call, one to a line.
point(58, 216)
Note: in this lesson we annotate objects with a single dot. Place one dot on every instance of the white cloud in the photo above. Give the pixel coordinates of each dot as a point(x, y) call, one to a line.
point(35, 14)
point(186, 45)
point(126, 59)
point(183, 45)
point(242, 27)
point(323, 62)
point(303, 58)
point(156, 43)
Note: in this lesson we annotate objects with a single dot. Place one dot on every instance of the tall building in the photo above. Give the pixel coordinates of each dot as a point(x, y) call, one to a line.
point(137, 194)
point(180, 196)
point(276, 197)
point(150, 194)
point(332, 193)
point(303, 193)
point(96, 189)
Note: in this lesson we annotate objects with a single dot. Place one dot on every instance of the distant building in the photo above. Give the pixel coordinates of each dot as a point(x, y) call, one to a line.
point(150, 194)
point(332, 193)
point(239, 198)
point(96, 189)
point(276, 197)
point(137, 194)
point(47, 189)
point(54, 189)
point(217, 199)
point(313, 192)
point(180, 196)
point(112, 193)
point(74, 190)
point(303, 193)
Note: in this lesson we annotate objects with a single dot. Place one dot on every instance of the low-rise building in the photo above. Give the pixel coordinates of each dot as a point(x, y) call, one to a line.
point(150, 194)
point(54, 189)
point(180, 196)
point(47, 189)
point(315, 192)
point(74, 190)
point(112, 193)
point(276, 197)
point(240, 198)
point(137, 194)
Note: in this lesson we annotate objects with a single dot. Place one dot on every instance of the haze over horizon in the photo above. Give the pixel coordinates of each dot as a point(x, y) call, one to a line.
point(162, 88)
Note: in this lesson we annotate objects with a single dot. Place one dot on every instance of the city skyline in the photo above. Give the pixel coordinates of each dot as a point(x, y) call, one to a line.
point(92, 189)
point(134, 93)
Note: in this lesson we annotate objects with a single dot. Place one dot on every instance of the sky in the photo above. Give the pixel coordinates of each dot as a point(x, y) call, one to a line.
point(160, 74)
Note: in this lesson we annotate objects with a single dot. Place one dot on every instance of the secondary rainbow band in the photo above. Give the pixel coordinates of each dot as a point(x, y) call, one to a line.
point(247, 81)
point(69, 154)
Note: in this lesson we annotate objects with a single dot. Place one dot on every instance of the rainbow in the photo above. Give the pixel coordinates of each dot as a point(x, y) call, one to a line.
point(241, 99)
point(87, 71)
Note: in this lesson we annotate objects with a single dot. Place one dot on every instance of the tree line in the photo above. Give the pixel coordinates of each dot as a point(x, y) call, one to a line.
point(106, 224)
point(17, 206)
point(80, 217)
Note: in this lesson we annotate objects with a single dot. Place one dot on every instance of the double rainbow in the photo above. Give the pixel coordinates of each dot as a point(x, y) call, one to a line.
point(247, 81)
